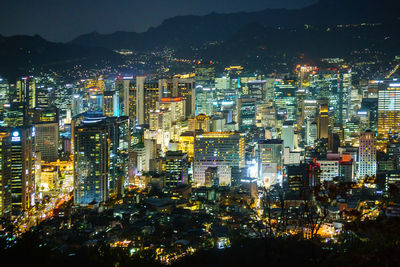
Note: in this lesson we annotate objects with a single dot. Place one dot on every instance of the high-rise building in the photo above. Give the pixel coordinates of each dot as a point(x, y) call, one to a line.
point(335, 87)
point(123, 87)
point(180, 87)
point(26, 91)
point(119, 139)
point(5, 175)
point(4, 96)
point(46, 140)
point(270, 162)
point(108, 103)
point(91, 160)
point(22, 168)
point(215, 149)
point(147, 95)
point(296, 177)
point(175, 104)
point(211, 177)
point(285, 97)
point(257, 89)
point(329, 167)
point(288, 135)
point(176, 168)
point(311, 132)
point(205, 98)
point(323, 122)
point(247, 110)
point(367, 154)
point(388, 109)
point(205, 73)
point(46, 131)
point(200, 122)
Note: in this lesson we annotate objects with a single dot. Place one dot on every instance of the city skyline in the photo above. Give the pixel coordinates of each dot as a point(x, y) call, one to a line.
point(268, 137)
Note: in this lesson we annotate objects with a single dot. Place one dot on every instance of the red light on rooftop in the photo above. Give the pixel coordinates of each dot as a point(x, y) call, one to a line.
point(171, 99)
point(346, 157)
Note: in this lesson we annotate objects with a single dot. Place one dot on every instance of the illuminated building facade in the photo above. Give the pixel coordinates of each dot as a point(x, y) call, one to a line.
point(205, 98)
point(247, 111)
point(176, 168)
point(200, 122)
point(186, 144)
point(91, 162)
point(388, 109)
point(147, 95)
point(5, 175)
point(367, 154)
point(180, 87)
point(22, 168)
point(285, 97)
point(176, 105)
point(311, 132)
point(108, 103)
point(46, 140)
point(288, 135)
point(123, 86)
point(205, 73)
point(323, 122)
point(217, 149)
point(270, 161)
point(211, 177)
point(26, 91)
point(257, 89)
point(48, 178)
point(4, 97)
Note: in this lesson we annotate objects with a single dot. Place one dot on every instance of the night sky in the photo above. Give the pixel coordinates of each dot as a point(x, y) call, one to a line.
point(63, 20)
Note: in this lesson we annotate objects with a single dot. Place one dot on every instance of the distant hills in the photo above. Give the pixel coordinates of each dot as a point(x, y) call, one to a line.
point(19, 54)
point(182, 31)
point(257, 37)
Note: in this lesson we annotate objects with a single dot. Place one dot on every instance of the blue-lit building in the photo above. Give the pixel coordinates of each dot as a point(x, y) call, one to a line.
point(101, 157)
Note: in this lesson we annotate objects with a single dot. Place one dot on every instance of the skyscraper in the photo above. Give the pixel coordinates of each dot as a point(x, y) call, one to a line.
point(176, 168)
point(5, 175)
point(288, 135)
point(367, 154)
point(123, 85)
point(26, 91)
point(91, 162)
point(270, 161)
point(204, 100)
point(22, 168)
point(257, 89)
point(217, 149)
point(175, 104)
point(388, 109)
point(4, 96)
point(108, 103)
point(180, 87)
point(247, 112)
point(311, 132)
point(147, 95)
point(323, 122)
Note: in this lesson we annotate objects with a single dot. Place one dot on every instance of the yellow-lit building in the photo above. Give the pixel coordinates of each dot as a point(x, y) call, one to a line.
point(175, 104)
point(388, 109)
point(200, 122)
point(5, 175)
point(48, 179)
point(186, 144)
point(224, 150)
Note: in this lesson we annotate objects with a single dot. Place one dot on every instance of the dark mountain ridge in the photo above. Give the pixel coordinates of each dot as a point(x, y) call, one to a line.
point(182, 31)
point(21, 53)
